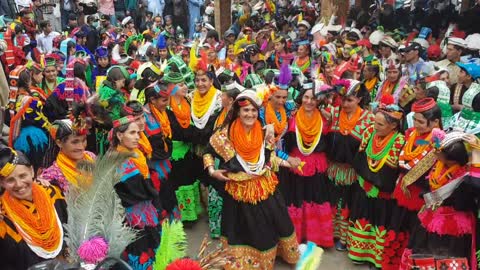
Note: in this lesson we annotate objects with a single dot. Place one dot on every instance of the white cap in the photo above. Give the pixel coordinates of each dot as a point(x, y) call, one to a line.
point(460, 42)
point(356, 31)
point(304, 23)
point(318, 28)
point(376, 37)
point(423, 42)
point(209, 26)
point(389, 41)
point(126, 20)
point(473, 41)
point(334, 28)
point(251, 95)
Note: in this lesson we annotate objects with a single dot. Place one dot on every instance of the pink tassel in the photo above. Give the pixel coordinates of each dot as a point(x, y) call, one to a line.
point(296, 215)
point(93, 250)
point(447, 221)
point(245, 68)
point(264, 45)
point(319, 224)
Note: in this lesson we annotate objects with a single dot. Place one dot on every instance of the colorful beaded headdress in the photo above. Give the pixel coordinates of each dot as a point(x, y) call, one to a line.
point(423, 105)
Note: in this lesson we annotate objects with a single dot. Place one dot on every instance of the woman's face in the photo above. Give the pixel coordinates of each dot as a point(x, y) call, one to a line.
point(302, 51)
point(419, 92)
point(445, 77)
point(382, 126)
point(346, 51)
point(19, 182)
point(231, 54)
point(103, 61)
point(120, 84)
point(140, 121)
point(37, 77)
point(368, 73)
point(60, 66)
point(211, 56)
point(279, 98)
point(422, 125)
point(203, 83)
point(329, 69)
point(163, 53)
point(182, 90)
point(186, 58)
point(350, 103)
point(130, 138)
point(73, 147)
point(309, 102)
point(226, 100)
point(393, 75)
point(50, 74)
point(248, 115)
point(279, 46)
point(161, 103)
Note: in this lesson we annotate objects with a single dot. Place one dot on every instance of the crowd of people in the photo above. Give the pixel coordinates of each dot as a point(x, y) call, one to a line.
point(297, 126)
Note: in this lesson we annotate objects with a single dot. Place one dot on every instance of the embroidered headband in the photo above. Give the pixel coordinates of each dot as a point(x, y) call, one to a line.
point(249, 95)
point(8, 168)
point(423, 105)
point(123, 121)
point(392, 110)
point(244, 102)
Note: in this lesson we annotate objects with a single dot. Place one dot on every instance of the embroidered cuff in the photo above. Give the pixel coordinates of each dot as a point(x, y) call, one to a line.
point(208, 161)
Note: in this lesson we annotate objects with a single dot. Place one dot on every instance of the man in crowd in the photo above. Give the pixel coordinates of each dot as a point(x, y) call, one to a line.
point(45, 39)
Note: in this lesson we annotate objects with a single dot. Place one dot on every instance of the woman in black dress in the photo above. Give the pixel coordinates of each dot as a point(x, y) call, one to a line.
point(32, 215)
point(446, 224)
point(255, 221)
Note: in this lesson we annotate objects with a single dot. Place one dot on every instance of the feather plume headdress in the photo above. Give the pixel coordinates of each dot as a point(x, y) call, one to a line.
point(285, 76)
point(95, 228)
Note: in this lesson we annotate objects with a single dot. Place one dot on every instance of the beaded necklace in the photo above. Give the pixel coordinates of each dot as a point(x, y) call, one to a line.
point(69, 168)
point(162, 119)
point(370, 84)
point(201, 104)
point(181, 111)
point(303, 64)
point(247, 145)
point(345, 124)
point(440, 175)
point(40, 229)
point(271, 118)
point(221, 118)
point(308, 130)
point(408, 157)
point(377, 150)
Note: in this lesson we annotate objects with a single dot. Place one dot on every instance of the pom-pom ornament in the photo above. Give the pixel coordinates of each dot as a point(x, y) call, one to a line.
point(93, 250)
point(184, 264)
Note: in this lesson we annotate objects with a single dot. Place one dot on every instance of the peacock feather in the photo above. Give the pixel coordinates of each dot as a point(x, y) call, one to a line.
point(96, 210)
